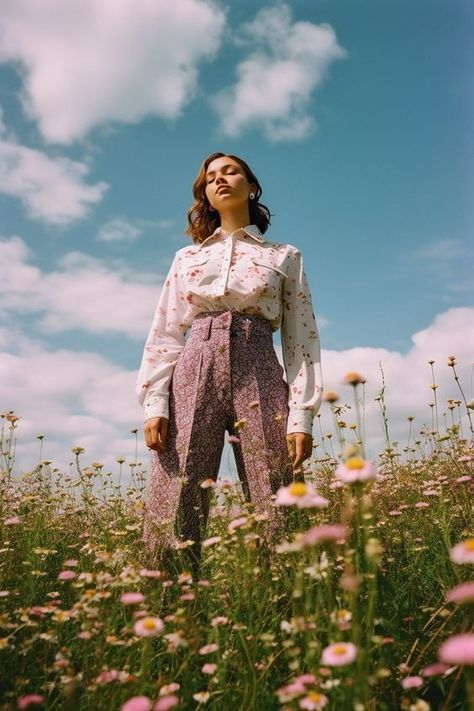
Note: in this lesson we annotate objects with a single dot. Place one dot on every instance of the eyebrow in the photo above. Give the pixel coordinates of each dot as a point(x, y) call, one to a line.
point(227, 165)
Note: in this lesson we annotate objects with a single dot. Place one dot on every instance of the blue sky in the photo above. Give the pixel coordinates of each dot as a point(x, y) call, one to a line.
point(356, 117)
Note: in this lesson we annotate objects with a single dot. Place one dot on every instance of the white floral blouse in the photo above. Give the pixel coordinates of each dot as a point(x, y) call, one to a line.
point(243, 271)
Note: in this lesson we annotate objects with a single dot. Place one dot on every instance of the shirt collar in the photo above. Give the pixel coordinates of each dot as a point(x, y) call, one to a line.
point(252, 230)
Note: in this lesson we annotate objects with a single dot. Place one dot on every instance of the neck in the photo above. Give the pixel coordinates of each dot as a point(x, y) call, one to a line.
point(231, 221)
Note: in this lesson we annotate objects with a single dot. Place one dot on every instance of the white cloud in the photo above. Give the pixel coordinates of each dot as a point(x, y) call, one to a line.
point(73, 398)
point(120, 229)
point(52, 190)
point(3, 128)
point(440, 250)
point(87, 63)
point(80, 293)
point(275, 83)
point(442, 262)
point(407, 377)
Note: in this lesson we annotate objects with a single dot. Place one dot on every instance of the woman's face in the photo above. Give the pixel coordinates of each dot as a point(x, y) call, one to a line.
point(226, 184)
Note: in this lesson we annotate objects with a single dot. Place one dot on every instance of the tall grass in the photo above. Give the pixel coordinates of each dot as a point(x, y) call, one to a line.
point(348, 610)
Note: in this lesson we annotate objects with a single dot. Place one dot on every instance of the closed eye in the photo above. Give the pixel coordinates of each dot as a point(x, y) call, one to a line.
point(227, 172)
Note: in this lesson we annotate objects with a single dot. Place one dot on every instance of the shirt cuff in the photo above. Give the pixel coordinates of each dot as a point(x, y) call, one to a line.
point(300, 421)
point(157, 408)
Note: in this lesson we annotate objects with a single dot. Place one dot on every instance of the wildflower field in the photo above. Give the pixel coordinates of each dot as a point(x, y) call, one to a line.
point(365, 603)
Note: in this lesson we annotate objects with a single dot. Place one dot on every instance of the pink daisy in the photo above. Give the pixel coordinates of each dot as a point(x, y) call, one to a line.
point(131, 598)
point(237, 523)
point(166, 702)
point(463, 552)
point(339, 654)
point(294, 687)
point(305, 679)
point(461, 593)
point(211, 541)
point(435, 669)
point(145, 573)
point(167, 689)
point(313, 701)
point(12, 521)
point(320, 534)
point(412, 682)
point(24, 702)
point(148, 627)
point(107, 676)
point(301, 495)
point(355, 469)
point(137, 703)
point(209, 668)
point(458, 650)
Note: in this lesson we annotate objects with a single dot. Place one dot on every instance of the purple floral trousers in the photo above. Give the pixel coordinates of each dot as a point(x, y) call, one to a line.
point(227, 377)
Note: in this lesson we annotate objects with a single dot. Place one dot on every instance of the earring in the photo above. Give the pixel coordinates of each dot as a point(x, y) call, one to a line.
point(251, 196)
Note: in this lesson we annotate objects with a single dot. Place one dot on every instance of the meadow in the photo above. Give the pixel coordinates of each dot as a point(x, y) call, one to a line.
point(364, 604)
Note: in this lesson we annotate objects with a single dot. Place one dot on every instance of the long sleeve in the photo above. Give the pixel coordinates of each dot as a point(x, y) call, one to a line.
point(301, 348)
point(163, 346)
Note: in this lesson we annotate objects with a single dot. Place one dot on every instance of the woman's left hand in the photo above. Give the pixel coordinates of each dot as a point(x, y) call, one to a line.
point(300, 448)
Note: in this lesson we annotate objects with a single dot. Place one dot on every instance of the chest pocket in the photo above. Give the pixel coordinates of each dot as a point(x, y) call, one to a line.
point(268, 277)
point(201, 274)
point(270, 267)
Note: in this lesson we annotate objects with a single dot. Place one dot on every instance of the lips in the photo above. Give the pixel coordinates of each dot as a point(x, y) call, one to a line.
point(222, 187)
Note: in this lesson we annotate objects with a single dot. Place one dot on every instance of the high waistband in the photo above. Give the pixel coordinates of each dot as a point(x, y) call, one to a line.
point(235, 321)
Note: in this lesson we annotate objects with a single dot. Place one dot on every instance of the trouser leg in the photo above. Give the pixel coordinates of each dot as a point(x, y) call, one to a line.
point(260, 399)
point(177, 506)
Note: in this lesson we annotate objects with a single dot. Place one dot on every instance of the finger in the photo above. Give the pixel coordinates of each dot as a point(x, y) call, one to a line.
point(147, 431)
point(164, 431)
point(290, 442)
point(161, 444)
point(154, 438)
point(300, 455)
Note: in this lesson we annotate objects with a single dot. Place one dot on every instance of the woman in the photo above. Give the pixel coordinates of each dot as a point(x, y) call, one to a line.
point(233, 288)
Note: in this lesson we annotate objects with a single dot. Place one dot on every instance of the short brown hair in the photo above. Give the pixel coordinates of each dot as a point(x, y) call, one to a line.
point(202, 221)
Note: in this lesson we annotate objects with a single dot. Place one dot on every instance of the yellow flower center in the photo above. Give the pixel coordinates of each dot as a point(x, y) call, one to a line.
point(469, 544)
point(339, 649)
point(148, 623)
point(298, 488)
point(353, 378)
point(314, 696)
point(355, 463)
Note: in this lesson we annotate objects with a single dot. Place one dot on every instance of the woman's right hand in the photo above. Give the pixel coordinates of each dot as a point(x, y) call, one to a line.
point(156, 431)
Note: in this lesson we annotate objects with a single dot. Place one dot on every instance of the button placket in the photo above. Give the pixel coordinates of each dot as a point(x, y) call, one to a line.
point(215, 290)
point(227, 260)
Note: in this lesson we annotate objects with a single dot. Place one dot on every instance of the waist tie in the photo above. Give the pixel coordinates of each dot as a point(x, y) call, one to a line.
point(235, 321)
